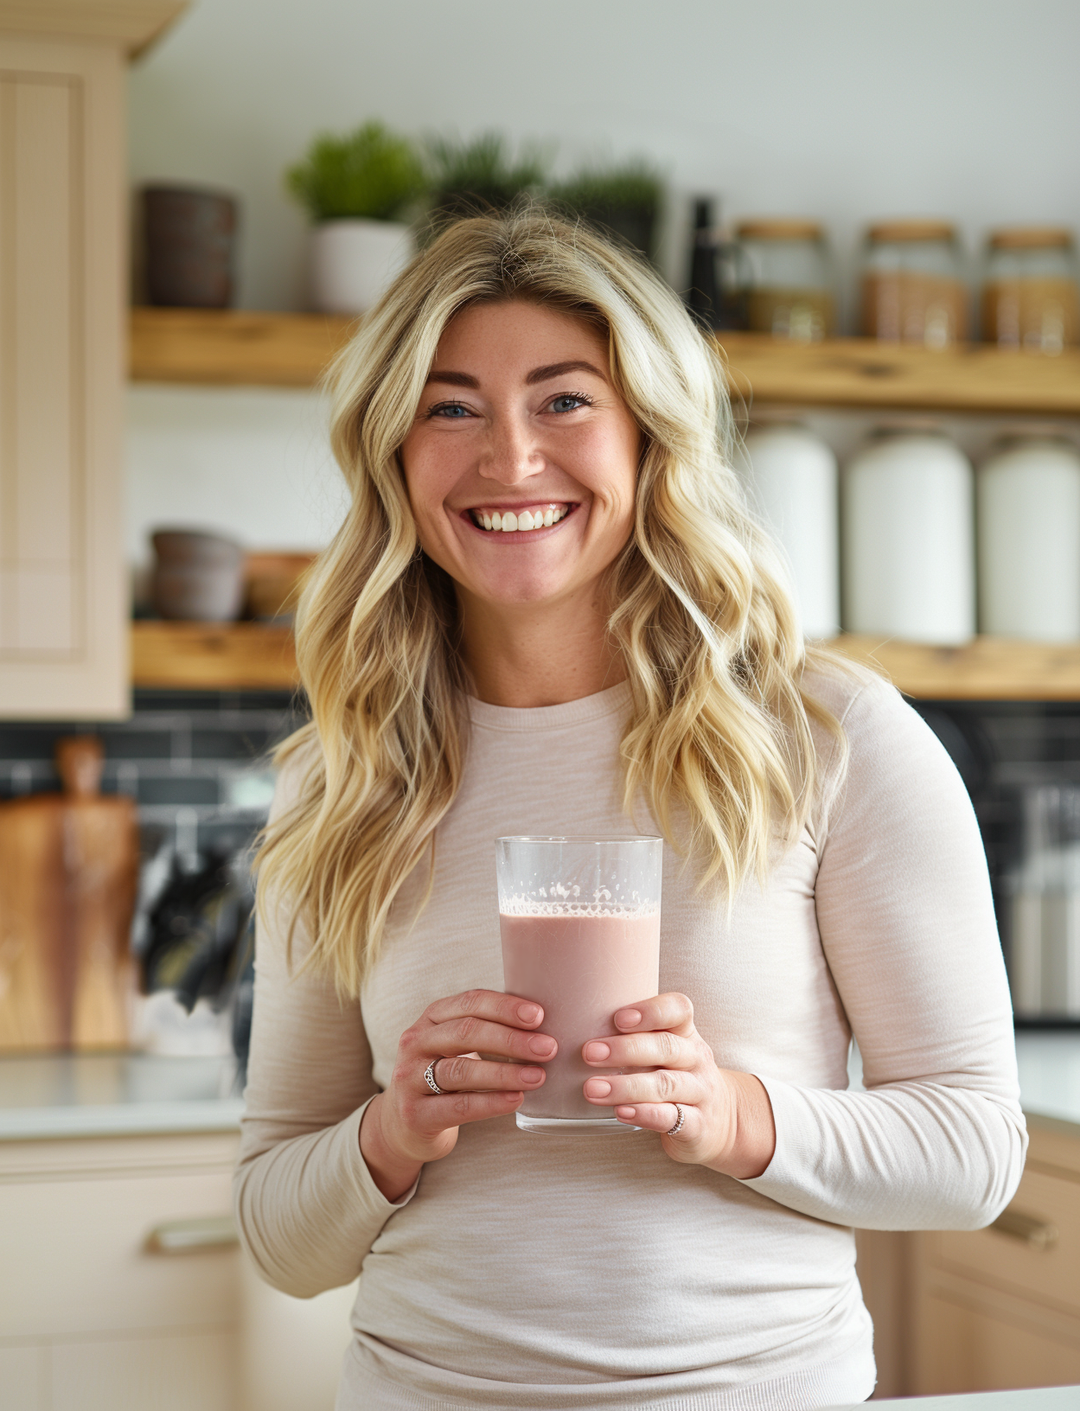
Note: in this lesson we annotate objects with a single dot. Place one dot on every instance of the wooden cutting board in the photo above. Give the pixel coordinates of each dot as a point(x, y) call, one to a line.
point(68, 875)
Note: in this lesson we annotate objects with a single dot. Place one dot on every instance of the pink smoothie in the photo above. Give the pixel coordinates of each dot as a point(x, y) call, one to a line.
point(581, 968)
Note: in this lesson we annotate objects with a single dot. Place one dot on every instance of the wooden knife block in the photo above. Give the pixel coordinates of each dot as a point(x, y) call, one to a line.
point(68, 876)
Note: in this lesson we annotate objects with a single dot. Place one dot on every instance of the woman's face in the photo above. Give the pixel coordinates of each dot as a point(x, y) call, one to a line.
point(520, 425)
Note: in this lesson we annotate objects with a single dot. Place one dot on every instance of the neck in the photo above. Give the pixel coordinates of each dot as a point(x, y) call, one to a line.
point(538, 655)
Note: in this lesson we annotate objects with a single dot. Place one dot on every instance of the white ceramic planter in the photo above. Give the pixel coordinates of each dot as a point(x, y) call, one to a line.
point(353, 262)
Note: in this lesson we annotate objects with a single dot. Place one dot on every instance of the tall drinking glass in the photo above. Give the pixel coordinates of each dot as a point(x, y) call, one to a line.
point(580, 925)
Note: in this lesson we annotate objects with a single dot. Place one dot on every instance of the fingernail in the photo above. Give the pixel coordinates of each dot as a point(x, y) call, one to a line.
point(529, 1013)
point(542, 1046)
point(597, 1087)
point(597, 1053)
point(628, 1018)
point(626, 1114)
point(531, 1075)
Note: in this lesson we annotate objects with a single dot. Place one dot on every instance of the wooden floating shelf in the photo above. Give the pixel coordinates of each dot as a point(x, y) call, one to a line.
point(225, 348)
point(202, 656)
point(987, 669)
point(258, 656)
point(229, 348)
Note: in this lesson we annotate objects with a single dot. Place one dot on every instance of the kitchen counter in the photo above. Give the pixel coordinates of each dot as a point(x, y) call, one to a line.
point(120, 1094)
point(1033, 1399)
point(1049, 1065)
point(115, 1094)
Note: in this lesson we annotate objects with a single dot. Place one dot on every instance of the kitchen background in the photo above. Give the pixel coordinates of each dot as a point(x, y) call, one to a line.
point(843, 112)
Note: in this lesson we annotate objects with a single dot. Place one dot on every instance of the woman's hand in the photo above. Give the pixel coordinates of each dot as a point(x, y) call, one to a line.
point(727, 1121)
point(410, 1123)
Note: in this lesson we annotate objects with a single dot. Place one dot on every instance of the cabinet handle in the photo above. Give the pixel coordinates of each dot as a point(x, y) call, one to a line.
point(190, 1236)
point(1028, 1229)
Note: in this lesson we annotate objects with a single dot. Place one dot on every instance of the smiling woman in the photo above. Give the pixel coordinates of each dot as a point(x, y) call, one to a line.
point(549, 612)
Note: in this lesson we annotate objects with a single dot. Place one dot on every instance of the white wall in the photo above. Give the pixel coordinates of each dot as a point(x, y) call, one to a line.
point(843, 109)
point(250, 462)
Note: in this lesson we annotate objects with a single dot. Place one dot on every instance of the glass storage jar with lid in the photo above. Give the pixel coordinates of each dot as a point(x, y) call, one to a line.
point(912, 284)
point(1030, 296)
point(789, 292)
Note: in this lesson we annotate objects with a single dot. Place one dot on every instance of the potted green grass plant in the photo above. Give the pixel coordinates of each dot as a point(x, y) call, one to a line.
point(624, 199)
point(357, 188)
point(479, 175)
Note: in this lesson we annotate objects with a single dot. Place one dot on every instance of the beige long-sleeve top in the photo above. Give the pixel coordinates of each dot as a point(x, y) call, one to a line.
point(592, 1271)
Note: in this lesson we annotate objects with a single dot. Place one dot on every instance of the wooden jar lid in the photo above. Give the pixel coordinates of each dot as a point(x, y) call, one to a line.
point(767, 228)
point(1031, 237)
point(903, 232)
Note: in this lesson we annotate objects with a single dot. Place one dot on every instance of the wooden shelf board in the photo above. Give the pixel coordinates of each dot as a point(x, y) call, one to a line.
point(201, 656)
point(259, 656)
point(226, 347)
point(856, 372)
point(987, 669)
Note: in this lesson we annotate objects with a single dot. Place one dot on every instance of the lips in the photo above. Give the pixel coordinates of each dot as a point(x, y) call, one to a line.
point(528, 518)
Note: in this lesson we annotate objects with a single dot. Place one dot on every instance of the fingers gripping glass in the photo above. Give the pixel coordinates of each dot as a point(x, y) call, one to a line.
point(580, 926)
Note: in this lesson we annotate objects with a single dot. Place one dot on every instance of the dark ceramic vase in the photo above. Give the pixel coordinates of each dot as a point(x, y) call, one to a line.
point(190, 244)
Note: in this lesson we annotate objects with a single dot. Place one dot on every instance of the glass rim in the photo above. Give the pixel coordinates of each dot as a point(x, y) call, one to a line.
point(597, 839)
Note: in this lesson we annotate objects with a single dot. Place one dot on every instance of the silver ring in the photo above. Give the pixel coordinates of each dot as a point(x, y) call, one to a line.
point(678, 1125)
point(429, 1078)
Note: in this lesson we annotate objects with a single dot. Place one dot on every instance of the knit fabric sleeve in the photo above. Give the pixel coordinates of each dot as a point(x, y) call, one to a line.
point(306, 1206)
point(906, 919)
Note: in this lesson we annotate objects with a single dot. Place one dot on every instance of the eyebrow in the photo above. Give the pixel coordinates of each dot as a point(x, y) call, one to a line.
point(538, 374)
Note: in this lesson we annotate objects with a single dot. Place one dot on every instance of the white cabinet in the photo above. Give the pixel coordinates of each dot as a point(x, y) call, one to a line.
point(63, 257)
point(91, 1315)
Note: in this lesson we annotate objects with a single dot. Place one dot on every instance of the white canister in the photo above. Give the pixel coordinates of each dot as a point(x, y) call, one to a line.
point(791, 476)
point(908, 539)
point(1028, 517)
point(353, 262)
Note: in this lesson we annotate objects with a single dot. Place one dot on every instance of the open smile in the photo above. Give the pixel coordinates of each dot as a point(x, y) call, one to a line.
point(525, 519)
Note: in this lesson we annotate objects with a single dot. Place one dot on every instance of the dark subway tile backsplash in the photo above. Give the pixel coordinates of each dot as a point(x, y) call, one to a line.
point(191, 759)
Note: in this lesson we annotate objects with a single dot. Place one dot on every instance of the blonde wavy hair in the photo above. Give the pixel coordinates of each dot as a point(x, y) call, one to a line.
point(718, 742)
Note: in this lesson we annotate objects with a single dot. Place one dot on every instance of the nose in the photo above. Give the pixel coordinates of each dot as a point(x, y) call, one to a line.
point(511, 454)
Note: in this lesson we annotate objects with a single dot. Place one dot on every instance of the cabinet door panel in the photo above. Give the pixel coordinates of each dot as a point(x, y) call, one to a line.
point(74, 1259)
point(63, 643)
point(189, 1372)
point(23, 1378)
point(965, 1346)
point(1050, 1275)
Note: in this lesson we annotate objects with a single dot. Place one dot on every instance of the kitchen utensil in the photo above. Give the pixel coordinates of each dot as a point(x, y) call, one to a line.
point(790, 284)
point(190, 238)
point(908, 539)
point(792, 479)
point(197, 576)
point(1028, 517)
point(68, 874)
point(1031, 297)
point(273, 582)
point(912, 284)
point(1044, 945)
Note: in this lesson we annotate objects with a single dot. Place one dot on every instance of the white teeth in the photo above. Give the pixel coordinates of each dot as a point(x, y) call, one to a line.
point(510, 523)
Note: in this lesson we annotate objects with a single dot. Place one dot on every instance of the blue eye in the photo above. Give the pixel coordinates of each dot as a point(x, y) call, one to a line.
point(452, 411)
point(569, 402)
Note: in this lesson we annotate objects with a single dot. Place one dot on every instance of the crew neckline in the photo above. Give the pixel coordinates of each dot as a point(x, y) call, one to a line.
point(611, 701)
